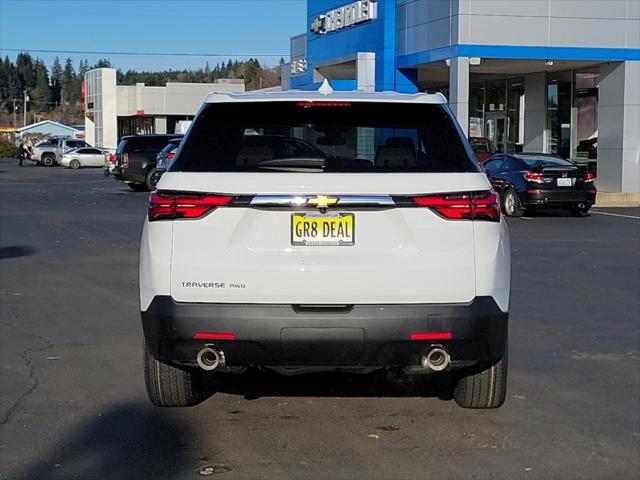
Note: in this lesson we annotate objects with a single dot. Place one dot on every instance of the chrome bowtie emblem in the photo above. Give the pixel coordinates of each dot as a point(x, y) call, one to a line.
point(322, 201)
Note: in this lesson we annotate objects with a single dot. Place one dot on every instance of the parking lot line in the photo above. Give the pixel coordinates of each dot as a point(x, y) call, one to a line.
point(615, 215)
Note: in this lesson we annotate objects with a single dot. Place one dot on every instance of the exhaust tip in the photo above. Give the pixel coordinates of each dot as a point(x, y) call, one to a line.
point(437, 359)
point(209, 358)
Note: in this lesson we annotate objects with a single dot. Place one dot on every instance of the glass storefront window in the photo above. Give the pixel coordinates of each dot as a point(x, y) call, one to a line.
point(477, 100)
point(495, 117)
point(496, 112)
point(585, 134)
point(559, 85)
point(515, 114)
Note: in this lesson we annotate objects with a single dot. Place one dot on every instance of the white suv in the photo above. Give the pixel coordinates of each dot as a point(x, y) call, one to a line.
point(350, 230)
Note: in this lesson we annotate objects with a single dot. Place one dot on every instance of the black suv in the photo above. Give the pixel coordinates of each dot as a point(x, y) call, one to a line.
point(136, 159)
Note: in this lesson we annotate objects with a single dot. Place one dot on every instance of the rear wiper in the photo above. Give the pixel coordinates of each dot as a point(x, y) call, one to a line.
point(295, 162)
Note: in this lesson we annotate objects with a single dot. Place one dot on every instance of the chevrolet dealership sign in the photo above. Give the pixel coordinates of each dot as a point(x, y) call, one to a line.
point(344, 17)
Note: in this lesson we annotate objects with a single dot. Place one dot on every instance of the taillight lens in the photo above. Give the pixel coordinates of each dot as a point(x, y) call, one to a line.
point(533, 177)
point(170, 206)
point(112, 158)
point(125, 160)
point(589, 177)
point(463, 206)
point(170, 155)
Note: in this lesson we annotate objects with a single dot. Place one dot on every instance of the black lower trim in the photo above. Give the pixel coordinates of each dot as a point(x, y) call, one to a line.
point(558, 198)
point(294, 335)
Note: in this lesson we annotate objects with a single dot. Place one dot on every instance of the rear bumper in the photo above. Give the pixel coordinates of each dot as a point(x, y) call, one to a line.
point(358, 335)
point(559, 198)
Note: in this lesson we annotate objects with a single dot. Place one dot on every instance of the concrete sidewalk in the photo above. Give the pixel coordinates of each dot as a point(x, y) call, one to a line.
point(618, 199)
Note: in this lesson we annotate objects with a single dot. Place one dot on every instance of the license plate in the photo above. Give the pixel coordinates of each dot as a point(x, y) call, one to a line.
point(320, 229)
point(565, 182)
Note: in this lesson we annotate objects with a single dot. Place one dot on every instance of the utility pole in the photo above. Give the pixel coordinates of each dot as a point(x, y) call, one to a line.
point(24, 112)
point(15, 116)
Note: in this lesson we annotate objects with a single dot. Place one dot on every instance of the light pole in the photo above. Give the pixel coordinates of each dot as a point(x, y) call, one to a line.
point(24, 111)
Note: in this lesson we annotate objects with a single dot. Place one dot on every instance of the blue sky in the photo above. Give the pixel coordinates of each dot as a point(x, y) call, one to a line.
point(229, 27)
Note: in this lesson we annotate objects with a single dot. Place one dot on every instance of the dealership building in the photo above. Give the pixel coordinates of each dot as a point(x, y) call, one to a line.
point(552, 76)
point(113, 111)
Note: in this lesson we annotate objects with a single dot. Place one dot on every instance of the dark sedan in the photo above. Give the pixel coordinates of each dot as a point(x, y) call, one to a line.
point(537, 180)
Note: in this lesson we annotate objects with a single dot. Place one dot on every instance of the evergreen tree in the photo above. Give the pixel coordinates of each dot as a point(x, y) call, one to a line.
point(15, 87)
point(69, 94)
point(56, 80)
point(103, 63)
point(4, 85)
point(26, 71)
point(42, 91)
point(84, 67)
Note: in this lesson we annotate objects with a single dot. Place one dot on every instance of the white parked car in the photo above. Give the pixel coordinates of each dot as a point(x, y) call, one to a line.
point(84, 157)
point(354, 231)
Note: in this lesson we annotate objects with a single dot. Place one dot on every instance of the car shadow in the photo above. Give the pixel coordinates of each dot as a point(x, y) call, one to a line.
point(255, 383)
point(16, 251)
point(129, 441)
point(547, 213)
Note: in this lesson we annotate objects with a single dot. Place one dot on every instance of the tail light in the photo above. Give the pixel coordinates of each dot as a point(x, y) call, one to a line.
point(533, 177)
point(125, 160)
point(463, 206)
point(589, 177)
point(112, 158)
point(170, 155)
point(169, 206)
point(323, 104)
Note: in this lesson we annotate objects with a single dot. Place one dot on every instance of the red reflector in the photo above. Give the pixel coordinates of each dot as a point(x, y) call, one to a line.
point(163, 206)
point(463, 206)
point(431, 336)
point(323, 104)
point(214, 336)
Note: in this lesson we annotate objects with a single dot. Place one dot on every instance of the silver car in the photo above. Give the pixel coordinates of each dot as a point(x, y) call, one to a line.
point(83, 157)
point(50, 152)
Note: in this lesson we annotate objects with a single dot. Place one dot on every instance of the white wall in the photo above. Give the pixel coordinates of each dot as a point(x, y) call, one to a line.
point(619, 127)
point(535, 111)
point(174, 99)
point(429, 24)
point(109, 102)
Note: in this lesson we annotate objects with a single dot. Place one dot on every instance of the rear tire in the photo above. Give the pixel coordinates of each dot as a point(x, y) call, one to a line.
point(511, 204)
point(149, 180)
point(169, 386)
point(75, 164)
point(48, 160)
point(136, 187)
point(579, 212)
point(483, 385)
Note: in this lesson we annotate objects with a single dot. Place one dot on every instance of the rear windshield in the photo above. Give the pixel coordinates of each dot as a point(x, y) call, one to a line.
point(172, 145)
point(479, 146)
point(544, 161)
point(76, 144)
point(324, 137)
point(121, 146)
point(146, 144)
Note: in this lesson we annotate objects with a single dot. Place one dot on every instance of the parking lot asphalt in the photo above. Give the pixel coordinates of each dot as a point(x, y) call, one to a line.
point(72, 399)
